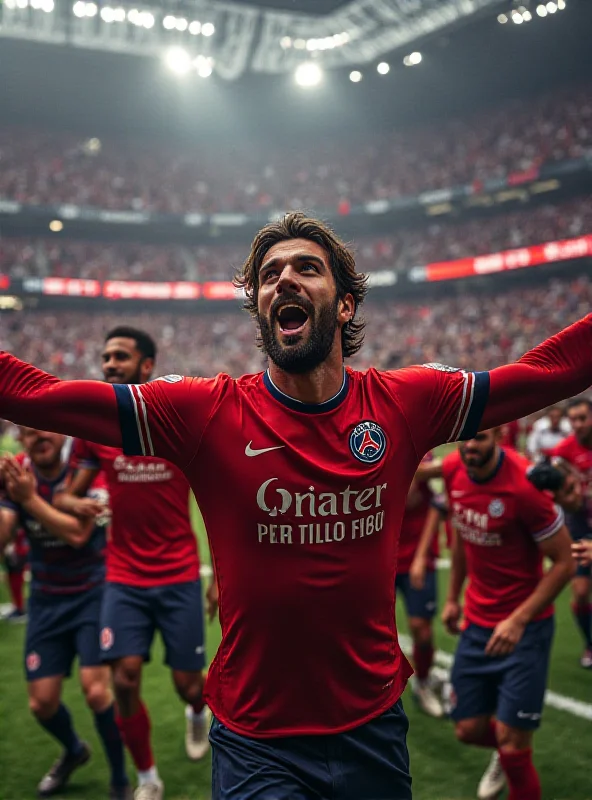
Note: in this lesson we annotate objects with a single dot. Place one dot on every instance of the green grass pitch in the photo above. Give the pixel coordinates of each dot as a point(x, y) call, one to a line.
point(441, 768)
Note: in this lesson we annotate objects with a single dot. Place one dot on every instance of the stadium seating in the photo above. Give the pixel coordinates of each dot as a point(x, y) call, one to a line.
point(23, 258)
point(475, 331)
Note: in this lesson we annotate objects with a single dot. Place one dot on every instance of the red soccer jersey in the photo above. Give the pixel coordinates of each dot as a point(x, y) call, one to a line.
point(419, 500)
point(580, 457)
point(500, 522)
point(152, 542)
point(303, 506)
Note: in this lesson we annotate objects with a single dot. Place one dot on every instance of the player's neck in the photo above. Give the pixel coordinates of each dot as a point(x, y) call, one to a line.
point(482, 474)
point(317, 386)
point(50, 473)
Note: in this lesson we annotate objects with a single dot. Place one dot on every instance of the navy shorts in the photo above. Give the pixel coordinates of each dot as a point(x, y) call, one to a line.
point(59, 628)
point(131, 615)
point(510, 687)
point(370, 762)
point(418, 602)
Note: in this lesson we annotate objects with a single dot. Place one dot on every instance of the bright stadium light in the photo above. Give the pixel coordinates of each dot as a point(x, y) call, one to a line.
point(79, 9)
point(22, 4)
point(551, 7)
point(107, 14)
point(147, 20)
point(541, 11)
point(308, 74)
point(517, 18)
point(383, 68)
point(181, 24)
point(502, 19)
point(195, 27)
point(168, 23)
point(56, 225)
point(355, 76)
point(208, 29)
point(299, 44)
point(47, 6)
point(178, 60)
point(119, 14)
point(526, 15)
point(561, 4)
point(204, 66)
point(285, 42)
point(412, 59)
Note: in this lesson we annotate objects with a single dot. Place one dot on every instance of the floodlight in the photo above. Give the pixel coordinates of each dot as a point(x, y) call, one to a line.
point(383, 68)
point(178, 60)
point(355, 76)
point(308, 74)
point(208, 29)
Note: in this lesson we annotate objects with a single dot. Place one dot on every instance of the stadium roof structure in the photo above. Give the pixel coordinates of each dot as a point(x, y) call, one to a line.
point(238, 37)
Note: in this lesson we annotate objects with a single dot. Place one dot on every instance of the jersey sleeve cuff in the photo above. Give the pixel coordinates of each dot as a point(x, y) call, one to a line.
point(551, 529)
point(474, 400)
point(133, 421)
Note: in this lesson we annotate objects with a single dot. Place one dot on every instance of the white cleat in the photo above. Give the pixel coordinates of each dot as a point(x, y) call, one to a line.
point(150, 791)
point(428, 700)
point(197, 727)
point(493, 781)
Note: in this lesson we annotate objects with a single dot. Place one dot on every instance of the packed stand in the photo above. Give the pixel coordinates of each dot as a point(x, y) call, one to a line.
point(46, 169)
point(476, 331)
point(24, 258)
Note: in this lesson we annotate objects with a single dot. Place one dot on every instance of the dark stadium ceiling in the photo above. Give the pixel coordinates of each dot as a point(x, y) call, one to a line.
point(232, 38)
point(302, 6)
point(463, 70)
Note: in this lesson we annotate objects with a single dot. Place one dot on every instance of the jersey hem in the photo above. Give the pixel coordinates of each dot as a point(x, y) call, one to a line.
point(144, 582)
point(394, 695)
point(548, 612)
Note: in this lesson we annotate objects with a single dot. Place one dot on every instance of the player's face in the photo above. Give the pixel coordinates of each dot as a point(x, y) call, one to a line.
point(300, 316)
point(43, 448)
point(555, 415)
point(580, 418)
point(477, 452)
point(122, 362)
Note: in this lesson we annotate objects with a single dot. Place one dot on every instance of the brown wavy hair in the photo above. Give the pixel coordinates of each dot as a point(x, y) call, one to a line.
point(296, 225)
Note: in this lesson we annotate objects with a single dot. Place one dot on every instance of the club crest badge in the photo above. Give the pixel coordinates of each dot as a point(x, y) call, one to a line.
point(367, 442)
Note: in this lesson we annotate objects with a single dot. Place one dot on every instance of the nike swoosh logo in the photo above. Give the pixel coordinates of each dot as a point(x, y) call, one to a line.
point(250, 452)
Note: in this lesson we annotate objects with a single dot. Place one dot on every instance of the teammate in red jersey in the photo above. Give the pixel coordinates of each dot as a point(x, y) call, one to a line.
point(302, 473)
point(67, 580)
point(577, 451)
point(420, 593)
point(152, 572)
point(503, 528)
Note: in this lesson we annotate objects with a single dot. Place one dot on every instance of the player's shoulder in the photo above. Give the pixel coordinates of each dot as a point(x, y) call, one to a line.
point(565, 447)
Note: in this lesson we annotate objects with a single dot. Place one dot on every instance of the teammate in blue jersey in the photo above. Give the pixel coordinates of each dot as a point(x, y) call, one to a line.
point(67, 570)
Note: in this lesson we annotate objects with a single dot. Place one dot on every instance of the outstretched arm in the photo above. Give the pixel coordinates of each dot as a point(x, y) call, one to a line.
point(558, 368)
point(29, 396)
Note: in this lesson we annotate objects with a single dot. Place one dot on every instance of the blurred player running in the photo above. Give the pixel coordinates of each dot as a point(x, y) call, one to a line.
point(576, 450)
point(152, 572)
point(504, 526)
point(302, 474)
point(420, 593)
point(68, 572)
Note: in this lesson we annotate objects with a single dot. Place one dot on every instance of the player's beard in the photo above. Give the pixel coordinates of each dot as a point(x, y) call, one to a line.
point(300, 354)
point(473, 460)
point(135, 377)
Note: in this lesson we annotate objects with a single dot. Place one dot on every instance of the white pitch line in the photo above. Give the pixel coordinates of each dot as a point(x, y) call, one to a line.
point(578, 708)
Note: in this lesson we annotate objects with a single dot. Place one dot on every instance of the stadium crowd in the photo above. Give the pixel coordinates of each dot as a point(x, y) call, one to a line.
point(24, 258)
point(473, 331)
point(46, 168)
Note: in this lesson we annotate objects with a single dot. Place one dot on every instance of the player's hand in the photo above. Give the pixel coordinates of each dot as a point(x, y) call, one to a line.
point(582, 552)
point(212, 600)
point(505, 637)
point(20, 482)
point(417, 572)
point(451, 616)
point(86, 507)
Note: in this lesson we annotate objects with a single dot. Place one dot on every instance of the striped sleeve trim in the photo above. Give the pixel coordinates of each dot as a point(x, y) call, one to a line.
point(133, 420)
point(551, 529)
point(474, 398)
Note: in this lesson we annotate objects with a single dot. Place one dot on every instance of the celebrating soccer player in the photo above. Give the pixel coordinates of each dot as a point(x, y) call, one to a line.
point(302, 473)
point(68, 572)
point(576, 449)
point(504, 527)
point(152, 572)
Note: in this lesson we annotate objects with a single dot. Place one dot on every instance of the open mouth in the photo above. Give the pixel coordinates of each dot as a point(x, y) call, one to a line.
point(292, 319)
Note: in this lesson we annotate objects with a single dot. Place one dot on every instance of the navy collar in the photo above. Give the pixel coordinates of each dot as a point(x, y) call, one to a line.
point(491, 476)
point(307, 408)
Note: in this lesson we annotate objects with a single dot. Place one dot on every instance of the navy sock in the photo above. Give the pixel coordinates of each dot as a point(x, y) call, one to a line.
point(61, 728)
point(112, 744)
